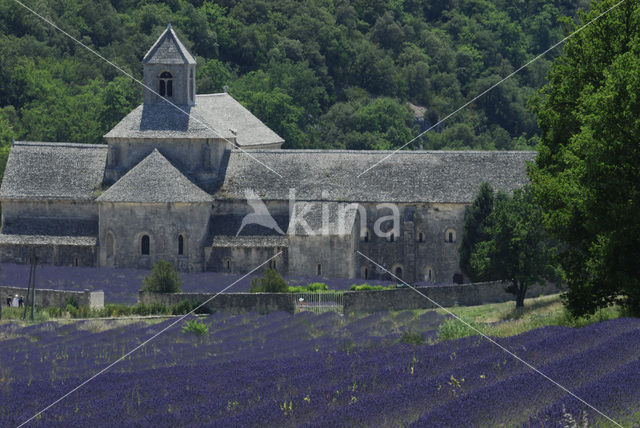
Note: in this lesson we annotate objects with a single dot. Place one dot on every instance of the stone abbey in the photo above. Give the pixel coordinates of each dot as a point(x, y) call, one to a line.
point(198, 180)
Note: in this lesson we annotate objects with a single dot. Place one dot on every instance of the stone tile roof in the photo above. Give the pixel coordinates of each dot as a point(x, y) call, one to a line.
point(250, 241)
point(153, 180)
point(80, 241)
point(49, 226)
point(406, 176)
point(168, 49)
point(53, 171)
point(340, 219)
point(212, 116)
point(49, 231)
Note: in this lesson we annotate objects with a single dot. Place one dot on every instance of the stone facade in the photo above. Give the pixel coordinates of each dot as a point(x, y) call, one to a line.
point(201, 182)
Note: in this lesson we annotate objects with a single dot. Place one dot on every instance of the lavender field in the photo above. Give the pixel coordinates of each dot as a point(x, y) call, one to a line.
point(315, 371)
point(122, 285)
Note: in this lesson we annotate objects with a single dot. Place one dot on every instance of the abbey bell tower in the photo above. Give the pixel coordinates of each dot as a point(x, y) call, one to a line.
point(170, 70)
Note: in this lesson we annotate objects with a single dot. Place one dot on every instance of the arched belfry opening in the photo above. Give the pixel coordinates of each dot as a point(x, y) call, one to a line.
point(165, 84)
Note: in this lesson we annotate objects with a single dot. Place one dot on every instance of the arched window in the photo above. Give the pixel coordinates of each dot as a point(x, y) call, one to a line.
point(165, 85)
point(111, 244)
point(450, 235)
point(180, 245)
point(398, 272)
point(144, 245)
point(319, 269)
point(227, 264)
point(364, 272)
point(272, 264)
point(392, 237)
point(366, 236)
point(428, 275)
point(76, 261)
point(420, 237)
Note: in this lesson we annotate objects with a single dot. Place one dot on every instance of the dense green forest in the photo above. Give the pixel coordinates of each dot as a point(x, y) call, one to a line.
point(321, 73)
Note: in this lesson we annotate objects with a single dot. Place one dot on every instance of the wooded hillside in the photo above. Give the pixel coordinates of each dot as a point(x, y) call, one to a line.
point(323, 74)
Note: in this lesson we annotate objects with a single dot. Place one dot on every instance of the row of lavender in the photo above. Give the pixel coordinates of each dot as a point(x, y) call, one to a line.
point(315, 370)
point(122, 285)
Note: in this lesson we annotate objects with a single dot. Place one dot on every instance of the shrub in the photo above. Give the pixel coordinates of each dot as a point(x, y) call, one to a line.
point(196, 327)
point(412, 338)
point(315, 287)
point(454, 329)
point(271, 282)
point(163, 279)
point(367, 287)
point(71, 301)
point(186, 306)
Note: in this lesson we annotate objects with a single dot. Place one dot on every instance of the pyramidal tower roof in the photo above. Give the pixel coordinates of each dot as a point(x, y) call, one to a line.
point(168, 49)
point(154, 180)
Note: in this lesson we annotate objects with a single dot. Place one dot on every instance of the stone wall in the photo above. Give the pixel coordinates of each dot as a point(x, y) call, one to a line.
point(446, 295)
point(47, 298)
point(201, 158)
point(333, 255)
point(413, 256)
point(262, 303)
point(163, 223)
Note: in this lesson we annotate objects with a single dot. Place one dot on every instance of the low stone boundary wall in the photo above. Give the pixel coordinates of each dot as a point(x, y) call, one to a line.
point(47, 298)
point(445, 295)
point(262, 303)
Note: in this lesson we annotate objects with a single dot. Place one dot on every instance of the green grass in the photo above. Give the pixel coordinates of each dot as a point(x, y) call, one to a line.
point(503, 319)
point(108, 311)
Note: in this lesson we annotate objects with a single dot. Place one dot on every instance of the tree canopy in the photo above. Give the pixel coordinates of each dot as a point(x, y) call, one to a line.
point(474, 231)
point(163, 279)
point(586, 175)
point(512, 244)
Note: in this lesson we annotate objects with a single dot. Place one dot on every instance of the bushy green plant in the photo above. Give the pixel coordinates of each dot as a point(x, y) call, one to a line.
point(413, 338)
point(196, 327)
point(454, 329)
point(186, 306)
point(163, 279)
point(71, 300)
point(315, 287)
point(367, 287)
point(270, 282)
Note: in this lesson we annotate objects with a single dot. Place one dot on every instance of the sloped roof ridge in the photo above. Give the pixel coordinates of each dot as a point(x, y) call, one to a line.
point(182, 50)
point(60, 144)
point(374, 152)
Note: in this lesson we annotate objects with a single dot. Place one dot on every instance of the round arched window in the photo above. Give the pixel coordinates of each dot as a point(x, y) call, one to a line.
point(144, 245)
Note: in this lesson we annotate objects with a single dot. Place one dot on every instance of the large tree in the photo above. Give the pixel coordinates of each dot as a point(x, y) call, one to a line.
point(586, 175)
point(517, 249)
